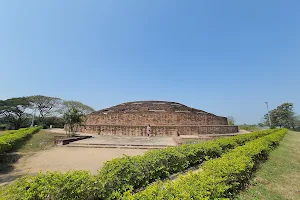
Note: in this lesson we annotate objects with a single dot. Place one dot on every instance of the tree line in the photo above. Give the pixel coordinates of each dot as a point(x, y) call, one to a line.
point(283, 116)
point(39, 110)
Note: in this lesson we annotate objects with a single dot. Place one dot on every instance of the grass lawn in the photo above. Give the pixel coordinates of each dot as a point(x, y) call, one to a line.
point(279, 177)
point(38, 142)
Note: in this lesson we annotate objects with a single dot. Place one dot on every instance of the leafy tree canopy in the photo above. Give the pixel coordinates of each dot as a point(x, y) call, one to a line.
point(282, 116)
point(18, 112)
point(73, 118)
point(45, 105)
point(84, 109)
point(14, 110)
point(231, 120)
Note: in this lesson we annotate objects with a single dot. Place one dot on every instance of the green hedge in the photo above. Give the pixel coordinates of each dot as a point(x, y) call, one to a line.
point(53, 185)
point(7, 132)
point(219, 178)
point(133, 172)
point(122, 174)
point(10, 138)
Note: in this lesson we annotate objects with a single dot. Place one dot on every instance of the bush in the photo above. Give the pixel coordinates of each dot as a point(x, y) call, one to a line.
point(7, 132)
point(53, 185)
point(130, 173)
point(122, 174)
point(10, 138)
point(219, 178)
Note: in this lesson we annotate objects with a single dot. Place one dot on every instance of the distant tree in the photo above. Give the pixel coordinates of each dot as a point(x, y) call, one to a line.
point(249, 127)
point(73, 118)
point(274, 118)
point(45, 105)
point(231, 120)
point(295, 122)
point(54, 121)
point(282, 116)
point(14, 111)
point(261, 124)
point(84, 109)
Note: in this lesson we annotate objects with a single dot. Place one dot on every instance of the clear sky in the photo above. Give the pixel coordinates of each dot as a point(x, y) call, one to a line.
point(225, 57)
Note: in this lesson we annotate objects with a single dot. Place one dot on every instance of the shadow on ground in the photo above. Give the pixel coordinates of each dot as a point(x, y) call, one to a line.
point(7, 161)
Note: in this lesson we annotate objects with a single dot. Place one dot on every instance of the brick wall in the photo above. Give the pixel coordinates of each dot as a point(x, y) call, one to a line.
point(159, 130)
point(155, 119)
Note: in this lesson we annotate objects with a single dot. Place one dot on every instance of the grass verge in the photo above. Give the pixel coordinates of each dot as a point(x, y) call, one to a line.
point(279, 177)
point(38, 142)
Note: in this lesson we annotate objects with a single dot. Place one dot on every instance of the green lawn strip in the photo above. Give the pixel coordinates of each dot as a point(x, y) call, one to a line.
point(279, 177)
point(39, 141)
point(220, 178)
point(122, 174)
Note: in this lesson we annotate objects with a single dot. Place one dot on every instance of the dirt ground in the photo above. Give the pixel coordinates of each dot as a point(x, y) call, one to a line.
point(63, 159)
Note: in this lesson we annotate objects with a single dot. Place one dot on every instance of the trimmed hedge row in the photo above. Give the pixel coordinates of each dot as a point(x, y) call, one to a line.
point(219, 178)
point(122, 174)
point(9, 139)
point(8, 132)
point(133, 172)
point(53, 185)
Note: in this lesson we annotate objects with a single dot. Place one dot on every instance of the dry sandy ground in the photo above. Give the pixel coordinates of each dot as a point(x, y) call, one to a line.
point(63, 159)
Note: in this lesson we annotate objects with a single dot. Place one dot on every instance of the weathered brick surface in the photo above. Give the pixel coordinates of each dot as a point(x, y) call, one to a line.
point(160, 119)
point(165, 118)
point(158, 130)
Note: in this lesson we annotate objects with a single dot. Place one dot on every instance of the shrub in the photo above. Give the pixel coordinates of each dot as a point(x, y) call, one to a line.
point(7, 132)
point(130, 173)
point(9, 139)
point(219, 178)
point(53, 185)
point(123, 174)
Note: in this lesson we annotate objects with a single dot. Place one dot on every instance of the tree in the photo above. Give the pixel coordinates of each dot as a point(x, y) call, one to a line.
point(261, 124)
point(45, 105)
point(14, 111)
point(296, 122)
point(73, 118)
point(84, 109)
point(282, 116)
point(231, 120)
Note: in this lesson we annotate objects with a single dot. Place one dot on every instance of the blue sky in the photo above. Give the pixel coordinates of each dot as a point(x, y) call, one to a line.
point(224, 57)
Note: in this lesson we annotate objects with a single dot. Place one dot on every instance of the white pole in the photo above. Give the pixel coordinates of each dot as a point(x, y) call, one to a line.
point(268, 113)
